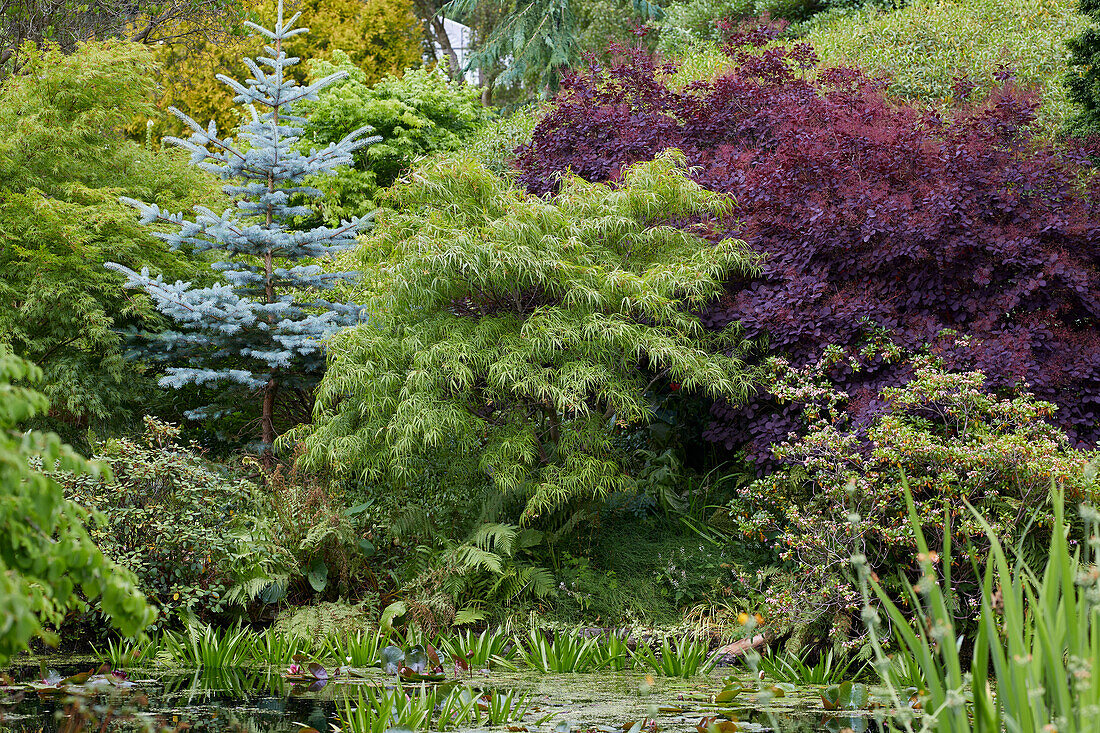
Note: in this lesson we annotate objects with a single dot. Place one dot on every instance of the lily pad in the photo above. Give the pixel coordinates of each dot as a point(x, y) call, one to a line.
point(416, 659)
point(391, 659)
point(845, 696)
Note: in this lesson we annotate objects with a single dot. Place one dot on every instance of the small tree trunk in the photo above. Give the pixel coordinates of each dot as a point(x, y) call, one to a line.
point(267, 423)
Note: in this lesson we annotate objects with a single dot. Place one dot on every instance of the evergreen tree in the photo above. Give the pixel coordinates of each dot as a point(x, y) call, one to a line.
point(536, 40)
point(1083, 79)
point(258, 330)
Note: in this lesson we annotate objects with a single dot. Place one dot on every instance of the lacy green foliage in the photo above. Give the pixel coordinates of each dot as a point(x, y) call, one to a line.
point(946, 52)
point(324, 541)
point(1082, 79)
point(63, 165)
point(842, 491)
point(419, 113)
point(521, 331)
point(46, 555)
point(323, 620)
point(185, 528)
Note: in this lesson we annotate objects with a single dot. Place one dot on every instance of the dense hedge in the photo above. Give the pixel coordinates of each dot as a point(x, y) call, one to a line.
point(875, 218)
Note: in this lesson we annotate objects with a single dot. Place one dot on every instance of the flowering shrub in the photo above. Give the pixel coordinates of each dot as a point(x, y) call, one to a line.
point(946, 436)
point(188, 532)
point(873, 216)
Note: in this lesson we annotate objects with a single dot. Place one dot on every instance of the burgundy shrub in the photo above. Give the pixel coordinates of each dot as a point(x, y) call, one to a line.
point(875, 218)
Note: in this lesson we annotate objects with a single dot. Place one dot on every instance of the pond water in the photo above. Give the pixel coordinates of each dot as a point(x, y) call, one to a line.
point(262, 701)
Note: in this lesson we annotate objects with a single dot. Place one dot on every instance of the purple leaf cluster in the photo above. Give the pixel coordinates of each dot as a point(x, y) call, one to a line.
point(876, 218)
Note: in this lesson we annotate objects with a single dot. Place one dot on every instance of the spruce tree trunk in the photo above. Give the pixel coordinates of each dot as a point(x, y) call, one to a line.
point(267, 423)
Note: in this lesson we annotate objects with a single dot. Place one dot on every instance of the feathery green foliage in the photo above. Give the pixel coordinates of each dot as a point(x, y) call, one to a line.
point(518, 333)
point(63, 164)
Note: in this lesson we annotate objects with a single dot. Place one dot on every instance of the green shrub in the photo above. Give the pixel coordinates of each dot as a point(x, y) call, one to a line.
point(841, 490)
point(691, 22)
point(924, 46)
point(45, 553)
point(187, 529)
point(494, 146)
point(419, 113)
point(517, 333)
point(325, 542)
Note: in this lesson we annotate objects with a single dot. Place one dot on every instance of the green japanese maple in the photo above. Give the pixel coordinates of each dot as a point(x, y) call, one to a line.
point(63, 165)
point(521, 333)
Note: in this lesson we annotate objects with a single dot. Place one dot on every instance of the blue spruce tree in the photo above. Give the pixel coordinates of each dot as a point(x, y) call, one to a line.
point(263, 328)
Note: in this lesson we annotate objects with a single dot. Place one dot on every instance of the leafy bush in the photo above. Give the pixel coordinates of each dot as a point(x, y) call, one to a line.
point(494, 146)
point(324, 540)
point(189, 531)
point(947, 52)
point(514, 333)
point(874, 218)
point(942, 436)
point(419, 113)
point(47, 559)
point(690, 22)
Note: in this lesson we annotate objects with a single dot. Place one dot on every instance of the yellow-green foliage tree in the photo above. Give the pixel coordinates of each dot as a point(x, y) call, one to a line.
point(381, 37)
point(924, 46)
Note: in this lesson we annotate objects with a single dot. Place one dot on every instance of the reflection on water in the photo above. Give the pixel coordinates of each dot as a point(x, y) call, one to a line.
point(261, 701)
point(250, 701)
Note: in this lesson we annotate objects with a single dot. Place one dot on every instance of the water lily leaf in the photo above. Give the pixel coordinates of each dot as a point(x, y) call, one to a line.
point(563, 727)
point(317, 574)
point(318, 671)
point(729, 694)
point(845, 696)
point(416, 659)
point(433, 657)
point(78, 679)
point(391, 659)
point(308, 730)
point(390, 612)
point(317, 685)
point(410, 676)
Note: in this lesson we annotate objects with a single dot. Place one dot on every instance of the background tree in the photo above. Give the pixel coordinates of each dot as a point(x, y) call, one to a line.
point(259, 331)
point(63, 164)
point(1083, 78)
point(516, 333)
point(45, 552)
point(68, 22)
point(379, 37)
point(538, 38)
